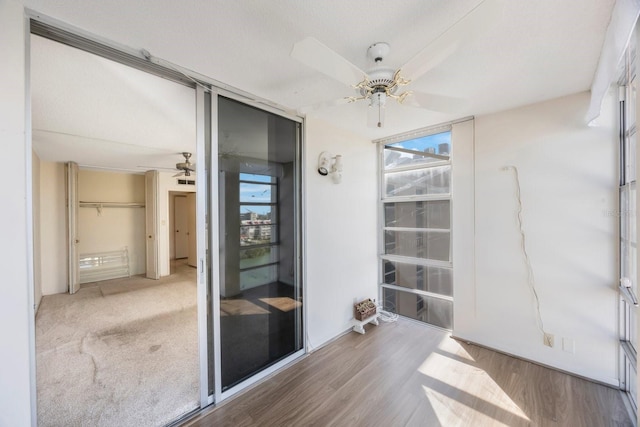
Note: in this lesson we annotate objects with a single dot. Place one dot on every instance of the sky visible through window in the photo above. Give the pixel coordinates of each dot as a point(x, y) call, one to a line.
point(255, 192)
point(438, 144)
point(421, 144)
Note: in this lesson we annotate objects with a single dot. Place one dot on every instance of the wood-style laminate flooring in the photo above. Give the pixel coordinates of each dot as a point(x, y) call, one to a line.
point(407, 374)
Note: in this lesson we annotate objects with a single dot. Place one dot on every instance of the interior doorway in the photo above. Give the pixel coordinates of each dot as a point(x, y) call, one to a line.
point(182, 223)
point(105, 352)
point(102, 136)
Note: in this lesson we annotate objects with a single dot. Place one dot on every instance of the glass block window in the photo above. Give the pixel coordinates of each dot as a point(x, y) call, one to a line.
point(415, 193)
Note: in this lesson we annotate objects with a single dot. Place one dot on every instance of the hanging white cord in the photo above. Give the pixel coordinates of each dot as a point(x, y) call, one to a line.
point(527, 260)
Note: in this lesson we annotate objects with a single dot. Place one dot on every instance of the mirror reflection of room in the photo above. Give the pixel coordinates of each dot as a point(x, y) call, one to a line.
point(260, 300)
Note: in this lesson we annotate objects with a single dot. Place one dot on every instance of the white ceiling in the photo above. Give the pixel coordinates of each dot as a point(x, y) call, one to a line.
point(528, 51)
point(102, 114)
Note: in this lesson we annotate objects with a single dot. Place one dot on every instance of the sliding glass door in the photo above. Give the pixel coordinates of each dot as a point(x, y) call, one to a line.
point(260, 291)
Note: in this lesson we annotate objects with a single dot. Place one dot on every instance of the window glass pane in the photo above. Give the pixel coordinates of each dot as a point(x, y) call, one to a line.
point(257, 213)
point(631, 260)
point(630, 213)
point(630, 102)
point(258, 276)
point(624, 259)
point(437, 280)
point(624, 207)
point(633, 383)
point(253, 257)
point(418, 244)
point(434, 311)
point(257, 178)
point(257, 234)
point(424, 150)
point(633, 328)
point(256, 193)
point(630, 157)
point(435, 180)
point(432, 214)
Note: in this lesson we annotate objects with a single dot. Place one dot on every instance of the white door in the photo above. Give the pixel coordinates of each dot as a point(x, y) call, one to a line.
point(151, 223)
point(191, 220)
point(181, 227)
point(72, 226)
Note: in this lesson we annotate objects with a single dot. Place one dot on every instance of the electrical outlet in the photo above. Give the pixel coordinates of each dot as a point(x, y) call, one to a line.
point(548, 339)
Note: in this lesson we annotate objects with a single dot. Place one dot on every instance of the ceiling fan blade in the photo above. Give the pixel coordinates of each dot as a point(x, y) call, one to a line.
point(321, 105)
point(429, 58)
point(433, 102)
point(443, 46)
point(320, 57)
point(178, 174)
point(147, 167)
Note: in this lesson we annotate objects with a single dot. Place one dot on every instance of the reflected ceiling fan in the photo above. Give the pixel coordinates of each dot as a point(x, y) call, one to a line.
point(381, 83)
point(185, 167)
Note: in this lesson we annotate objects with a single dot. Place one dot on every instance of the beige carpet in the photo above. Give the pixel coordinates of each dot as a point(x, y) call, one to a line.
point(119, 353)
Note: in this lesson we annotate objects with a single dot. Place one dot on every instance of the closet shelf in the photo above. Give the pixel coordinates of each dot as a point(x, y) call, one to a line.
point(101, 205)
point(110, 205)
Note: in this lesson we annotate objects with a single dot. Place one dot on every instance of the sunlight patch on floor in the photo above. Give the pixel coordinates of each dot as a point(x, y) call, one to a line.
point(282, 303)
point(240, 307)
point(446, 372)
point(444, 407)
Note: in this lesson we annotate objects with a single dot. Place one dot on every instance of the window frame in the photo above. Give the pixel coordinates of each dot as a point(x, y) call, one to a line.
point(384, 199)
point(628, 299)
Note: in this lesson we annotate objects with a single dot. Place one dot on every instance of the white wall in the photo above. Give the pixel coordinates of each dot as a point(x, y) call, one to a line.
point(115, 228)
point(167, 183)
point(37, 261)
point(568, 178)
point(53, 229)
point(16, 304)
point(340, 230)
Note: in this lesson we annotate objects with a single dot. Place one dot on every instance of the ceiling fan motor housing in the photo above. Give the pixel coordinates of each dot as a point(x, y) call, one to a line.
point(380, 79)
point(186, 166)
point(378, 51)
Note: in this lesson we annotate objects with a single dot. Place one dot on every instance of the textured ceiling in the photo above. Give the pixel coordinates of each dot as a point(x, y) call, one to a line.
point(100, 113)
point(526, 52)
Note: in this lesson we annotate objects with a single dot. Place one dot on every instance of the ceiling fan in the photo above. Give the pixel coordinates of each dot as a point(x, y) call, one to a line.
point(380, 82)
point(185, 167)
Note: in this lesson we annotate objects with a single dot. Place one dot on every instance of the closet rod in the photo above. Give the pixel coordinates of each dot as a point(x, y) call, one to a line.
point(111, 205)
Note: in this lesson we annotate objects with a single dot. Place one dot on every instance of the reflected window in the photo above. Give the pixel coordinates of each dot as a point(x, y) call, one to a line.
point(260, 290)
